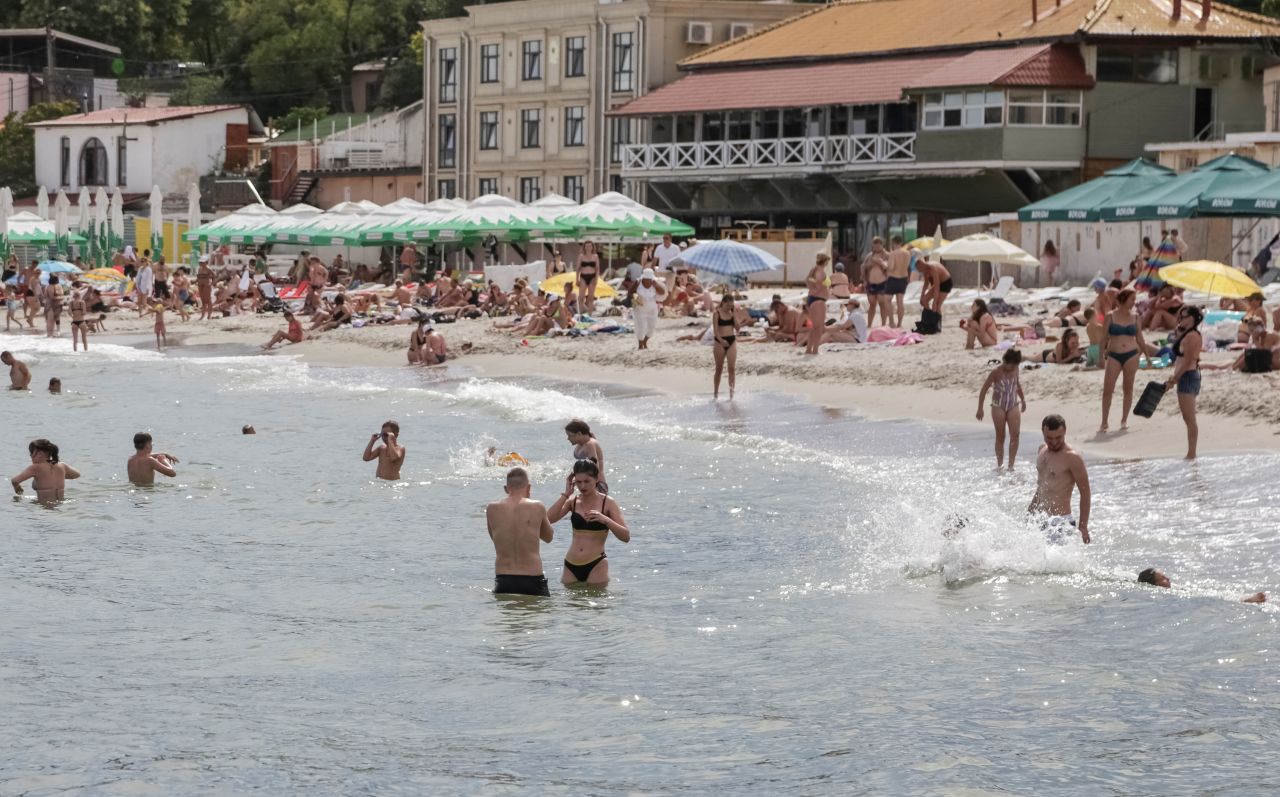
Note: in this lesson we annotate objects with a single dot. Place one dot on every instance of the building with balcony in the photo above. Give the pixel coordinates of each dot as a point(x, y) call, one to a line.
point(81, 70)
point(948, 109)
point(516, 93)
point(1260, 144)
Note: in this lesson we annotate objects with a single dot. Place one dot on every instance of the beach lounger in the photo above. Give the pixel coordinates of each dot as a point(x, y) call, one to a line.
point(1001, 291)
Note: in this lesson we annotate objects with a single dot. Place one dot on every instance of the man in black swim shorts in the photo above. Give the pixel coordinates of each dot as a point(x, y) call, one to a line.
point(516, 525)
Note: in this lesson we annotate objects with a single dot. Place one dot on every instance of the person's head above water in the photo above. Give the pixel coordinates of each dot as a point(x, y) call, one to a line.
point(55, 385)
point(1054, 428)
point(391, 426)
point(41, 446)
point(517, 482)
point(141, 440)
point(1154, 577)
point(247, 429)
point(578, 431)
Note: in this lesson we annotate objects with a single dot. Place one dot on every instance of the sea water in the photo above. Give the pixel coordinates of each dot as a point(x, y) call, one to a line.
point(788, 617)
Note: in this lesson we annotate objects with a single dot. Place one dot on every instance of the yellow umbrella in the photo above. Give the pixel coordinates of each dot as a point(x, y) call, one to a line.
point(1206, 276)
point(927, 243)
point(556, 285)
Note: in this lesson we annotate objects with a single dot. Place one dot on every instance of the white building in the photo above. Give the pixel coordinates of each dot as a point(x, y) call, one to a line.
point(136, 148)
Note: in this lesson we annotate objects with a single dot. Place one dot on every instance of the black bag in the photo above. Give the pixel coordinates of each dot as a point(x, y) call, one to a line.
point(930, 323)
point(1146, 406)
point(1257, 361)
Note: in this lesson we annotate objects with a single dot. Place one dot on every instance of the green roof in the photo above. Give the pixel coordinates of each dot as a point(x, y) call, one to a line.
point(327, 126)
point(1081, 202)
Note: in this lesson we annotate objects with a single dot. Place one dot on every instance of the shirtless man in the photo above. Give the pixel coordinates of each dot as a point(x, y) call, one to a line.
point(390, 456)
point(144, 465)
point(937, 285)
point(1157, 578)
point(1060, 470)
point(48, 476)
point(875, 277)
point(19, 374)
point(516, 524)
point(899, 276)
point(161, 286)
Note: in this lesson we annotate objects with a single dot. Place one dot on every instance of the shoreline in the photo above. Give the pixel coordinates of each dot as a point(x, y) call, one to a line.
point(934, 383)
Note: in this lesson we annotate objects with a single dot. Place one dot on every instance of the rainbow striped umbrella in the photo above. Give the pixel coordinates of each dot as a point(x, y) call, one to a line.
point(1166, 254)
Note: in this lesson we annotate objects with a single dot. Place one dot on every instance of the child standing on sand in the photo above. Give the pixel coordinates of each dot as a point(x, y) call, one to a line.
point(1008, 402)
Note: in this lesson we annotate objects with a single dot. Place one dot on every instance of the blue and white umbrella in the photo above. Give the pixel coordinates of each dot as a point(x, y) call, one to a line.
point(57, 267)
point(728, 258)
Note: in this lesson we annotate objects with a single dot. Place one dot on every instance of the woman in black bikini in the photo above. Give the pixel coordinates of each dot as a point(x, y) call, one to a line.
point(1121, 344)
point(78, 330)
point(724, 326)
point(1067, 351)
point(593, 516)
point(1186, 370)
point(815, 307)
point(588, 272)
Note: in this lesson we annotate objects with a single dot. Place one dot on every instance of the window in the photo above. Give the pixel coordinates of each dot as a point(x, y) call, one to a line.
point(93, 163)
point(448, 74)
point(122, 160)
point(446, 189)
point(573, 188)
point(1031, 108)
point(623, 71)
point(532, 64)
point(531, 128)
point(575, 56)
point(1137, 65)
point(488, 63)
point(963, 109)
point(487, 185)
point(66, 160)
point(488, 130)
point(448, 140)
point(574, 118)
point(530, 189)
point(615, 183)
point(620, 138)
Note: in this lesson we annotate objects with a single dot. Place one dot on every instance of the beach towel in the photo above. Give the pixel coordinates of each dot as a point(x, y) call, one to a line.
point(909, 339)
point(883, 335)
point(298, 291)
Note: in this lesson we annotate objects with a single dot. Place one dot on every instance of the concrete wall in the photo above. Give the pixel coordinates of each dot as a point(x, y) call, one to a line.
point(382, 188)
point(798, 256)
point(1123, 117)
point(15, 92)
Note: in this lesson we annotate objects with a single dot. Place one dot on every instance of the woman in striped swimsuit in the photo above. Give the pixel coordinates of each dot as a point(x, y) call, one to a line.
point(1008, 402)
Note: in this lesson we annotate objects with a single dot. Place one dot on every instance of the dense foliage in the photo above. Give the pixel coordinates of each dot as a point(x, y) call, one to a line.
point(18, 144)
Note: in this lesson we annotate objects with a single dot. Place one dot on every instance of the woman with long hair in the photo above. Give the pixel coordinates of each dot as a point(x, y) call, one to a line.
point(980, 326)
point(594, 516)
point(1050, 260)
point(815, 307)
point(1008, 402)
point(1122, 343)
point(724, 329)
point(588, 273)
point(1187, 343)
point(586, 447)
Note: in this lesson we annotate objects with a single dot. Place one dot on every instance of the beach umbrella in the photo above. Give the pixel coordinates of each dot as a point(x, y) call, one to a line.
point(1179, 198)
point(193, 215)
point(986, 248)
point(555, 204)
point(57, 267)
point(156, 203)
point(728, 258)
point(255, 216)
point(395, 224)
point(556, 285)
point(1214, 279)
point(503, 218)
point(613, 215)
point(1254, 196)
point(100, 212)
point(1149, 277)
point(62, 222)
point(928, 243)
point(1081, 202)
point(42, 203)
point(6, 210)
point(104, 276)
point(28, 228)
point(116, 239)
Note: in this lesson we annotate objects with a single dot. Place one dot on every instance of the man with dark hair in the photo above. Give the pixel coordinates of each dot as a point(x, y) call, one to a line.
point(1157, 578)
point(390, 454)
point(899, 276)
point(1060, 471)
point(19, 374)
point(144, 465)
point(516, 524)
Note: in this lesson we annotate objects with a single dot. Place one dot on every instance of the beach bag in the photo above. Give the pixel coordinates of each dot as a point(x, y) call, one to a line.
point(1146, 406)
point(930, 323)
point(1257, 361)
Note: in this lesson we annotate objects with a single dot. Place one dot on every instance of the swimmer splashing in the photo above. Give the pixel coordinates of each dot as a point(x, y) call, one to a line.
point(1060, 471)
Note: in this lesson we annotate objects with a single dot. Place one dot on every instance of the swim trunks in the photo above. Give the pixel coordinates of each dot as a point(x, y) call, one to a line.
point(877, 288)
point(1059, 529)
point(521, 585)
point(895, 285)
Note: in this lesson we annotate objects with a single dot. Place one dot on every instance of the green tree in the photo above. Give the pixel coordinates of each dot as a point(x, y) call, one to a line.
point(302, 115)
point(18, 144)
point(198, 90)
point(1271, 7)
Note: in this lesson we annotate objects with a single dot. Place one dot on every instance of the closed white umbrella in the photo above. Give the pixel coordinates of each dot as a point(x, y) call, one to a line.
point(6, 210)
point(101, 238)
point(42, 203)
point(156, 202)
point(193, 216)
point(117, 219)
point(62, 221)
point(84, 215)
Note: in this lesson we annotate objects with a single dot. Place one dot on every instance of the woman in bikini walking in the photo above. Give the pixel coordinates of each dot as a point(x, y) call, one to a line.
point(1121, 344)
point(79, 332)
point(594, 516)
point(588, 272)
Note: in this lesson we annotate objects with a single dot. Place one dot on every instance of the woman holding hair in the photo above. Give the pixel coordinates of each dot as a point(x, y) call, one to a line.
point(1066, 351)
point(586, 448)
point(593, 515)
point(588, 273)
point(724, 328)
point(980, 326)
point(1008, 402)
point(1121, 344)
point(815, 309)
point(1186, 370)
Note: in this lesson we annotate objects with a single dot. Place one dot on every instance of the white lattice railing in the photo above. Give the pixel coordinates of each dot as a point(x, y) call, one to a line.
point(778, 153)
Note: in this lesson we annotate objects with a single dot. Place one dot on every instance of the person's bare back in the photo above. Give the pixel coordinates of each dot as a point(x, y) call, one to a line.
point(48, 476)
point(517, 526)
point(143, 466)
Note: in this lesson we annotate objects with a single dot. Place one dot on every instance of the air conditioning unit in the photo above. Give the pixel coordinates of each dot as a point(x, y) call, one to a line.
point(737, 29)
point(698, 33)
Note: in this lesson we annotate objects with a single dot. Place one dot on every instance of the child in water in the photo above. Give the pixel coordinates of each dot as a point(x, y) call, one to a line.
point(48, 476)
point(161, 340)
point(1008, 402)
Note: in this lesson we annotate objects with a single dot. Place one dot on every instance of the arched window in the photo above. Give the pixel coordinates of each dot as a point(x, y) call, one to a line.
point(93, 163)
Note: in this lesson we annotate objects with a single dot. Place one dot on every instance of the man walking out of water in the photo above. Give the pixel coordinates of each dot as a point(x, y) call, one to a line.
point(19, 374)
point(144, 465)
point(390, 456)
point(1060, 471)
point(516, 525)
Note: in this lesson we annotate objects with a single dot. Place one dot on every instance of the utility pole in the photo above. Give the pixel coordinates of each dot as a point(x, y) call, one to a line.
point(49, 58)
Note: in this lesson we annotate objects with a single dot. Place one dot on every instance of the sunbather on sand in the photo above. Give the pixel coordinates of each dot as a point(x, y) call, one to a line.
point(785, 323)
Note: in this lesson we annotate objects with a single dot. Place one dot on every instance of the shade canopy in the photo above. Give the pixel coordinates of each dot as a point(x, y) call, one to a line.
point(494, 215)
point(253, 217)
point(728, 258)
point(1081, 203)
point(1214, 279)
point(1179, 198)
point(986, 248)
point(1255, 196)
point(28, 228)
point(613, 214)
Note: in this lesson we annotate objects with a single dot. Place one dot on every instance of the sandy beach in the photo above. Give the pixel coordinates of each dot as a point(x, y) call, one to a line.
point(935, 382)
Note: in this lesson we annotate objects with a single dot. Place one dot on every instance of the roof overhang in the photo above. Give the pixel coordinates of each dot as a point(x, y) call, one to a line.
point(19, 33)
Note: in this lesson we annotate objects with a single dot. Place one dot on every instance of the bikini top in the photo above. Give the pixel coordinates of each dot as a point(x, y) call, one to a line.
point(724, 322)
point(1115, 329)
point(1177, 344)
point(580, 523)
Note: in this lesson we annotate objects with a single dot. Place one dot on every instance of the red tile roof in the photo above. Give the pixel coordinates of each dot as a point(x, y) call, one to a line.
point(136, 116)
point(1056, 66)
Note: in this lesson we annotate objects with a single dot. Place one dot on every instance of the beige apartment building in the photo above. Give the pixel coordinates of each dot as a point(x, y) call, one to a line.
point(516, 93)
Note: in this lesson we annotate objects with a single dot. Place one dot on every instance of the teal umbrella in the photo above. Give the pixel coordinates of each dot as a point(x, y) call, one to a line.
point(1081, 202)
point(1179, 198)
point(1255, 196)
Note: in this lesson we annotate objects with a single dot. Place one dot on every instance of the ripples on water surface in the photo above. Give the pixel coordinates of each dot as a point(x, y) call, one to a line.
point(786, 618)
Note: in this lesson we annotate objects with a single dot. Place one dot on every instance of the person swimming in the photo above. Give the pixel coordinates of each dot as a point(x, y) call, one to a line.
point(1157, 578)
point(593, 516)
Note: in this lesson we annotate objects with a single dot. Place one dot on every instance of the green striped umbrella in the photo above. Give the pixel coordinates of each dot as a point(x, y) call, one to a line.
point(505, 219)
point(613, 215)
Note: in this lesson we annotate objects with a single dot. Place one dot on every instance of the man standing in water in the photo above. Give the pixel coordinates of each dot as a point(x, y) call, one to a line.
point(144, 465)
point(19, 373)
point(516, 524)
point(390, 456)
point(1060, 471)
